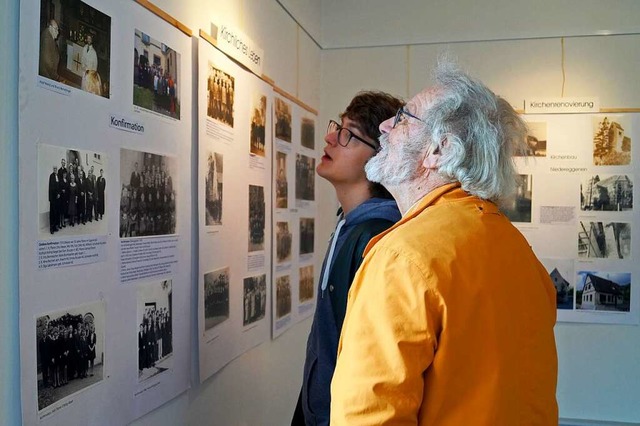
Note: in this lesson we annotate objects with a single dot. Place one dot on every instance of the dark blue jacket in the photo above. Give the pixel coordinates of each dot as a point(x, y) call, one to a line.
point(361, 224)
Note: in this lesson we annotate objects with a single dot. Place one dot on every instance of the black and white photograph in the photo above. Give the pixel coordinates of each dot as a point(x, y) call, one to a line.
point(220, 94)
point(307, 227)
point(562, 275)
point(305, 289)
point(283, 242)
point(604, 240)
point(283, 296)
point(147, 194)
point(70, 351)
point(258, 125)
point(603, 291)
point(308, 133)
point(156, 73)
point(283, 120)
point(155, 331)
point(216, 297)
point(213, 190)
point(305, 177)
point(606, 193)
point(611, 144)
point(282, 185)
point(75, 45)
point(72, 188)
point(255, 299)
point(257, 213)
point(536, 140)
point(519, 208)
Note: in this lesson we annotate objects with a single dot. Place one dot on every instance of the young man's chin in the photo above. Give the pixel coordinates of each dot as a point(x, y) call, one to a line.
point(322, 169)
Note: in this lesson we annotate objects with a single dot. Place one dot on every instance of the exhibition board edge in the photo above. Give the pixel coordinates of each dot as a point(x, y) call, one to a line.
point(205, 36)
point(164, 15)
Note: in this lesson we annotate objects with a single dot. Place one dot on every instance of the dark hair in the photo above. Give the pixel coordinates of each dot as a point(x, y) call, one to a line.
point(369, 109)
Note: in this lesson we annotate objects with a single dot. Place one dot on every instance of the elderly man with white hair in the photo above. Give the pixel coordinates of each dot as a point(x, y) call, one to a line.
point(450, 317)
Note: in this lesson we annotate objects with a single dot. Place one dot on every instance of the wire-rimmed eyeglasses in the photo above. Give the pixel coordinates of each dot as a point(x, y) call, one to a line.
point(399, 116)
point(345, 135)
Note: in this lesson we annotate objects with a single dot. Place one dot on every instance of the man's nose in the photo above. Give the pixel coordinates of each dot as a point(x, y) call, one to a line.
point(331, 138)
point(386, 125)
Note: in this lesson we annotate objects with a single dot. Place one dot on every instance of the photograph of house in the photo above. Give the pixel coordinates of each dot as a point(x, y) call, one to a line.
point(606, 193)
point(603, 291)
point(564, 290)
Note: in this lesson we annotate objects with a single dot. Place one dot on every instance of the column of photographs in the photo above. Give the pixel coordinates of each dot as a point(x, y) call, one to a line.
point(574, 204)
point(234, 210)
point(294, 215)
point(97, 187)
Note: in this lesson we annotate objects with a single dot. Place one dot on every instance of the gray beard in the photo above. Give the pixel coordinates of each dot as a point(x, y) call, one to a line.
point(392, 173)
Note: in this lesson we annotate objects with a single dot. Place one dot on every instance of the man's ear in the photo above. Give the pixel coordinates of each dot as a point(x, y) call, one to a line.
point(431, 159)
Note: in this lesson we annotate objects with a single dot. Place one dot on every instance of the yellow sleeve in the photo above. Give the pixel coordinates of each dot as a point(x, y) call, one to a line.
point(388, 341)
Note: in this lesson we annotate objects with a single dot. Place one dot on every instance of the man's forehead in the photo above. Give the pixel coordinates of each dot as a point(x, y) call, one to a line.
point(420, 102)
point(352, 125)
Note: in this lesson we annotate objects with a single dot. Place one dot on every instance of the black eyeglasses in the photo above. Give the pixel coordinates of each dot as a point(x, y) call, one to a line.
point(401, 112)
point(345, 135)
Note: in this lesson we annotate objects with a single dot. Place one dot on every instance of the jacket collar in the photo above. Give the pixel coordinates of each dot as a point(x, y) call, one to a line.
point(442, 194)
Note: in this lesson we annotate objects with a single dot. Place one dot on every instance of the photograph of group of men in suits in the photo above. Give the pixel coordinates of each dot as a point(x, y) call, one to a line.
point(76, 187)
point(70, 351)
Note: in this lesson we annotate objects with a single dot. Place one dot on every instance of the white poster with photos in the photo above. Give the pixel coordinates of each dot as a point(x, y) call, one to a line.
point(294, 220)
point(234, 210)
point(575, 206)
point(102, 91)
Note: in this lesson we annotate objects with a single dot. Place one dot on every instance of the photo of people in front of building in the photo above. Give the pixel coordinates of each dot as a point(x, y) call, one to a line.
point(155, 330)
point(308, 133)
point(283, 120)
point(156, 70)
point(258, 123)
point(213, 190)
point(255, 299)
point(282, 185)
point(305, 177)
point(257, 211)
point(283, 296)
point(72, 192)
point(147, 194)
point(216, 297)
point(70, 351)
point(283, 242)
point(75, 45)
point(305, 289)
point(307, 226)
point(220, 95)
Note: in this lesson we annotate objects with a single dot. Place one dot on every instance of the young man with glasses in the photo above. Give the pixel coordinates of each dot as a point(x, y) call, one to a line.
point(366, 209)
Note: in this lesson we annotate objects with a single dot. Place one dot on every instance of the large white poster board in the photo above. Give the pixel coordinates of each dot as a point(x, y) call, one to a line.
point(576, 207)
point(234, 209)
point(105, 232)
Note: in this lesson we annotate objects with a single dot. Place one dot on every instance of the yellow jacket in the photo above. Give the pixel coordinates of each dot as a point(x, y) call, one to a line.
point(449, 323)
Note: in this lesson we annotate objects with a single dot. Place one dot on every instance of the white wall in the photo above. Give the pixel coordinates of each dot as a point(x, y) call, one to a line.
point(360, 23)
